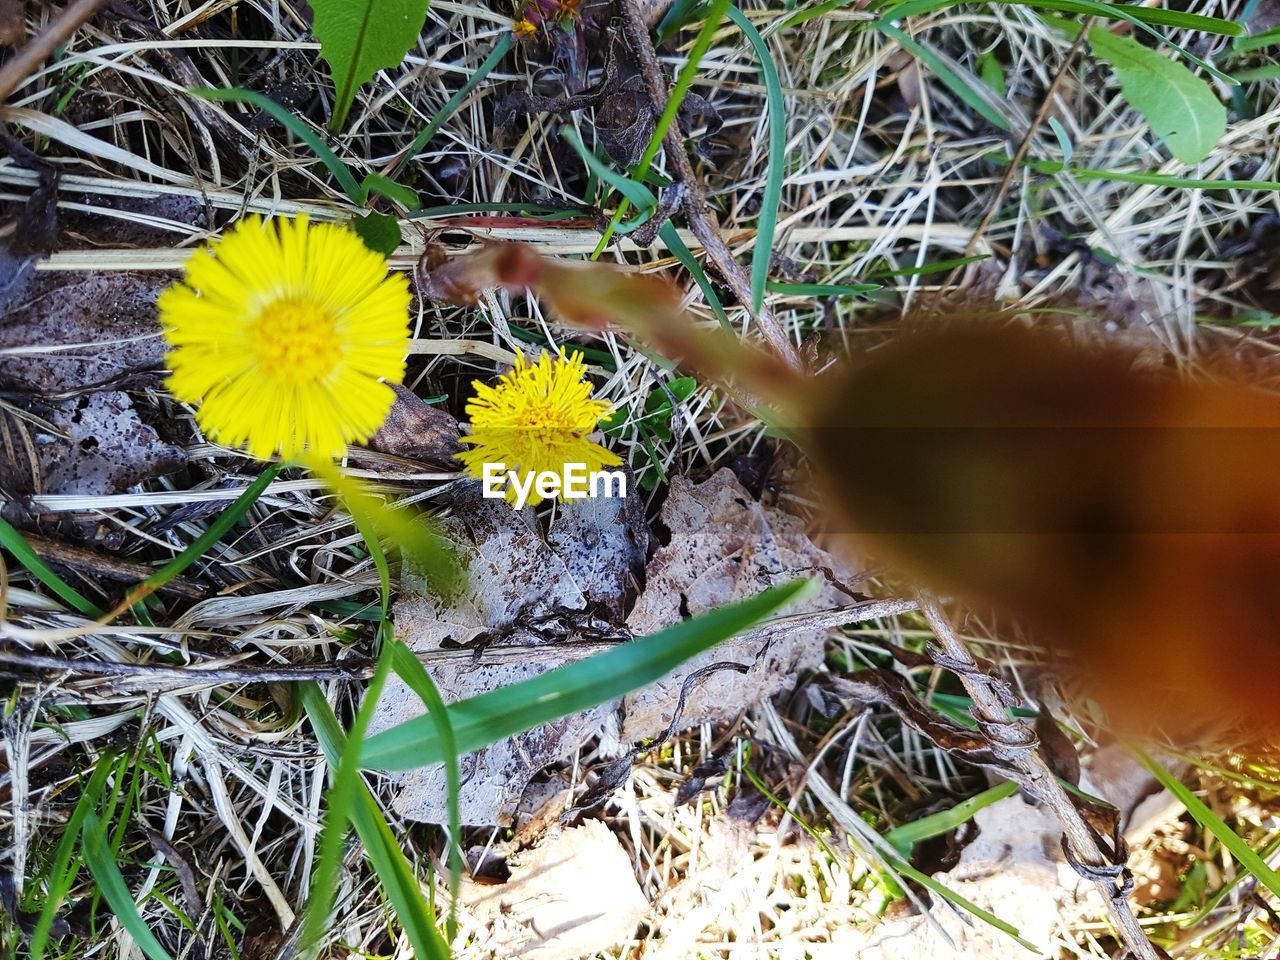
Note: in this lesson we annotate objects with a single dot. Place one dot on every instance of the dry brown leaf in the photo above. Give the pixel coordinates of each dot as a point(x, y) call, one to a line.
point(570, 896)
point(520, 591)
point(12, 13)
point(64, 433)
point(724, 546)
point(100, 447)
point(526, 590)
point(416, 430)
point(89, 330)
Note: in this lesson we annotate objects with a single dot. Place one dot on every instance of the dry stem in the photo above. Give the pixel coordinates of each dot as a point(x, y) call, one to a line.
point(696, 209)
point(1018, 745)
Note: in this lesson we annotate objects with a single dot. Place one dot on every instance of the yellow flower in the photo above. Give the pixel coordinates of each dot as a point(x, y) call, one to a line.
point(285, 335)
point(536, 420)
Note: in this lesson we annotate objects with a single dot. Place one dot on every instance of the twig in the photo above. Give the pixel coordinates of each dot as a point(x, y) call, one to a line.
point(104, 565)
point(1014, 742)
point(38, 50)
point(20, 664)
point(697, 211)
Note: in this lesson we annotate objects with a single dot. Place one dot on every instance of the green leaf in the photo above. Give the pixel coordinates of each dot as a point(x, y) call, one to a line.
point(1181, 108)
point(112, 886)
point(379, 231)
point(377, 183)
point(498, 714)
point(360, 37)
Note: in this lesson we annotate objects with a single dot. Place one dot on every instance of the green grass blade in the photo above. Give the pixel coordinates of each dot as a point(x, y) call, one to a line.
point(927, 268)
point(1155, 179)
point(1229, 839)
point(823, 289)
point(1111, 11)
point(776, 170)
point(1211, 904)
point(701, 44)
point(377, 183)
point(632, 190)
point(13, 541)
point(489, 717)
point(905, 837)
point(958, 85)
point(532, 210)
point(342, 798)
point(62, 872)
point(111, 885)
point(671, 237)
point(364, 511)
point(942, 890)
point(394, 872)
point(445, 112)
point(415, 675)
point(355, 193)
point(1269, 72)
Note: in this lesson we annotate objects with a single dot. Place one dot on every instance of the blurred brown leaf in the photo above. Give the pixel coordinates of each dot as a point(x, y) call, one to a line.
point(1127, 515)
point(416, 430)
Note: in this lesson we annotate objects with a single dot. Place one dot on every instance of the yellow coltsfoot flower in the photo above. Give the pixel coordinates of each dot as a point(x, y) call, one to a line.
point(285, 335)
point(536, 420)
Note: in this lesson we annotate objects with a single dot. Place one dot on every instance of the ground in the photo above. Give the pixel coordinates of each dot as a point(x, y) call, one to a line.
point(907, 169)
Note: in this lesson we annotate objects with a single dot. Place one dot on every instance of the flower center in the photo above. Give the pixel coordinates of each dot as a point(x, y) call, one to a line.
point(295, 341)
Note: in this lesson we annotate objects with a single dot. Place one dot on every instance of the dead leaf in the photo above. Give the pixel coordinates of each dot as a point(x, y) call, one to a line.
point(81, 331)
point(526, 590)
point(603, 542)
point(569, 896)
point(98, 446)
point(724, 546)
point(416, 430)
point(624, 124)
point(63, 434)
point(519, 592)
